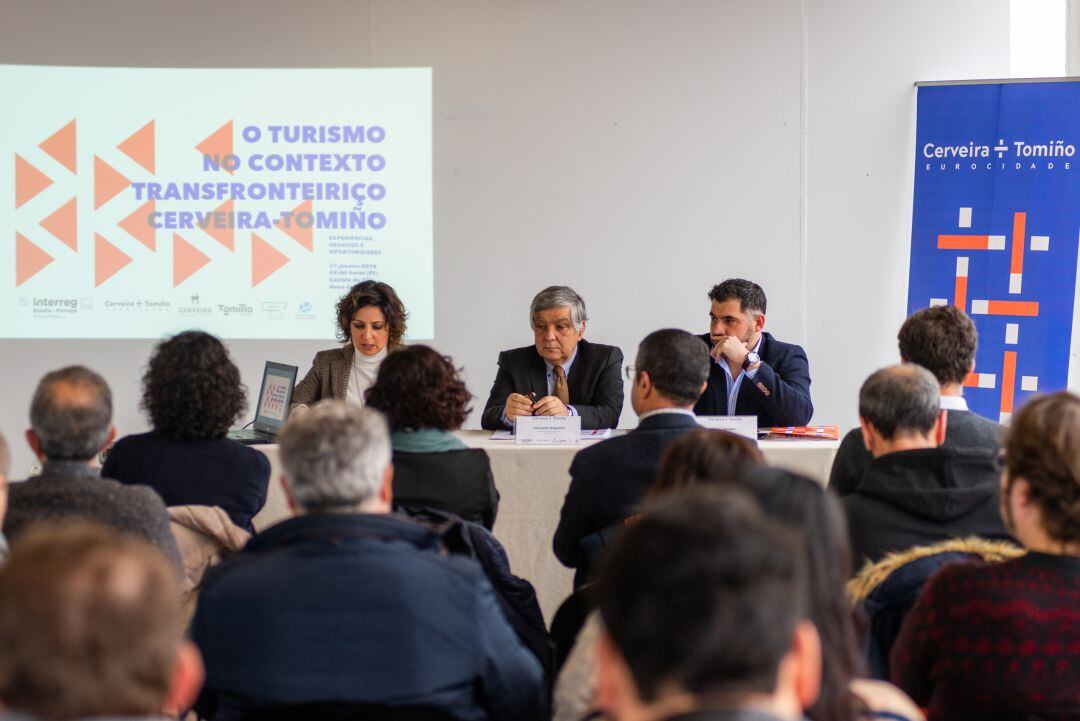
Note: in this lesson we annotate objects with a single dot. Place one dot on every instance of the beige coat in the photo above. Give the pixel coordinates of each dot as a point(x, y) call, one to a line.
point(205, 535)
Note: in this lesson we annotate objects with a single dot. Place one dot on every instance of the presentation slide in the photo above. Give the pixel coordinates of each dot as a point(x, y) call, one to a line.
point(138, 202)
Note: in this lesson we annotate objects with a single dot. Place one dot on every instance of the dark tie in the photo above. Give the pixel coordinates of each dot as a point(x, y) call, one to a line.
point(562, 391)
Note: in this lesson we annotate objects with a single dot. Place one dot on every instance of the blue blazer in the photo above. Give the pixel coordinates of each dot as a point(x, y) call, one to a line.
point(779, 394)
point(359, 608)
point(608, 480)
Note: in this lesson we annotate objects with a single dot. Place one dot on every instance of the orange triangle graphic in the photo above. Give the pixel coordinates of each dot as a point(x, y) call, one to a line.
point(225, 236)
point(29, 181)
point(64, 225)
point(265, 260)
point(108, 182)
point(108, 260)
point(61, 146)
point(29, 259)
point(186, 260)
point(138, 224)
point(303, 236)
point(219, 143)
point(140, 146)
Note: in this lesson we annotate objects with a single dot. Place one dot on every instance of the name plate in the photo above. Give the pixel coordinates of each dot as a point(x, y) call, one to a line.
point(745, 426)
point(547, 430)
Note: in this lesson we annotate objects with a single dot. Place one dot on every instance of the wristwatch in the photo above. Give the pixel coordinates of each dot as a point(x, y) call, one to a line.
point(751, 359)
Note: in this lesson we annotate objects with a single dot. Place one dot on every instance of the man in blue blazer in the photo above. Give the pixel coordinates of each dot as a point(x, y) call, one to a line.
point(608, 480)
point(752, 373)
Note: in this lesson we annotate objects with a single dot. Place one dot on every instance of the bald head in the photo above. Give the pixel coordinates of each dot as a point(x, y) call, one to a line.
point(900, 400)
point(71, 414)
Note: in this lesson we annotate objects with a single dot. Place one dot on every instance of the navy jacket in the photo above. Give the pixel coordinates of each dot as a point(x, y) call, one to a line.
point(595, 384)
point(199, 472)
point(779, 393)
point(358, 608)
point(608, 480)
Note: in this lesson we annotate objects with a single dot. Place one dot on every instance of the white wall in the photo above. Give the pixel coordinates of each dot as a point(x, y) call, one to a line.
point(638, 151)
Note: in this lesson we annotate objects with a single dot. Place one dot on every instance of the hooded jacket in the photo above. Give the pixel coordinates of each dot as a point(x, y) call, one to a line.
point(919, 497)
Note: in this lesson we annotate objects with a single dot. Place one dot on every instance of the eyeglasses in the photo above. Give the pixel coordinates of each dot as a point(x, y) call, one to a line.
point(631, 371)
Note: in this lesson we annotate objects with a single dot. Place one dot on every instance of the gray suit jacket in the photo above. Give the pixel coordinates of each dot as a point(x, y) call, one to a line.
point(328, 377)
point(963, 430)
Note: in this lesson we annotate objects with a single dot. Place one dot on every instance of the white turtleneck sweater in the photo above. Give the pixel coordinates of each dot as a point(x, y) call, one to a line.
point(362, 375)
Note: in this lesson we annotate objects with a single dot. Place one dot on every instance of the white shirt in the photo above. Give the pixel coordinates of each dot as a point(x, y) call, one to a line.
point(953, 403)
point(362, 375)
point(662, 411)
point(734, 383)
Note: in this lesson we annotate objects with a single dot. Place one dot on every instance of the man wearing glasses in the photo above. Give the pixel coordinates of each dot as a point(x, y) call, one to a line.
point(608, 480)
point(561, 374)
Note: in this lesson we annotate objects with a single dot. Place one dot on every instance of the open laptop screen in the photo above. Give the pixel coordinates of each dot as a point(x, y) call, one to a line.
point(275, 396)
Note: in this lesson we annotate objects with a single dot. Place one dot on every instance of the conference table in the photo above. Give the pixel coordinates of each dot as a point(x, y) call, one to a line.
point(532, 482)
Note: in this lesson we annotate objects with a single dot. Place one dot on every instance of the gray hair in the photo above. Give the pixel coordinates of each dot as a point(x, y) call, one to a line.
point(900, 399)
point(559, 296)
point(334, 456)
point(677, 363)
point(71, 414)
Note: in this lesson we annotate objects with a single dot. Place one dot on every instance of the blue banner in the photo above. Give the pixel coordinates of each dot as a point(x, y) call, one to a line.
point(995, 229)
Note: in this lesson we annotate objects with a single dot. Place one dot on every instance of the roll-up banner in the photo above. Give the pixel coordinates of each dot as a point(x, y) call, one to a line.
point(995, 229)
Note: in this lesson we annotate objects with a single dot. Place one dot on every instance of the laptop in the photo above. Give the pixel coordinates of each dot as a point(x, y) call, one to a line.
point(275, 398)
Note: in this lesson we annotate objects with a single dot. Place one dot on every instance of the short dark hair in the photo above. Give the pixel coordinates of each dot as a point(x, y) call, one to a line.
point(71, 413)
point(1042, 446)
point(677, 363)
point(750, 295)
point(372, 293)
point(704, 455)
point(90, 624)
point(191, 388)
point(942, 339)
point(702, 594)
point(418, 387)
point(900, 399)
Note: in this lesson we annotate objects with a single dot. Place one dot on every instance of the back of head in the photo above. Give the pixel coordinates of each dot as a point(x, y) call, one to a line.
point(191, 388)
point(704, 457)
point(1043, 447)
point(750, 295)
point(941, 339)
point(702, 595)
point(900, 400)
point(417, 387)
point(677, 363)
point(335, 456)
point(90, 624)
point(71, 414)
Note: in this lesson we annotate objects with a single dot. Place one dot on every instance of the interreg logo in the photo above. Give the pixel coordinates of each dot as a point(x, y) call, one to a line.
point(1054, 154)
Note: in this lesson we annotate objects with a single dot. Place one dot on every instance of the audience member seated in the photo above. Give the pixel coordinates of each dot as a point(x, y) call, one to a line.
point(70, 425)
point(914, 492)
point(192, 394)
point(1002, 640)
point(705, 458)
point(941, 339)
point(561, 374)
point(91, 628)
point(5, 466)
point(349, 604)
point(424, 399)
point(720, 635)
point(608, 479)
point(371, 324)
point(884, 592)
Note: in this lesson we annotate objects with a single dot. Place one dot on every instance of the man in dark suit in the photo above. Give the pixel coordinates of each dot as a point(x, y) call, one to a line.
point(752, 373)
point(608, 480)
point(70, 424)
point(943, 340)
point(704, 617)
point(914, 492)
point(561, 374)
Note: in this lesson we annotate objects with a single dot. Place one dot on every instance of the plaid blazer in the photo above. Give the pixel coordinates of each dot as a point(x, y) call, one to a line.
point(328, 377)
